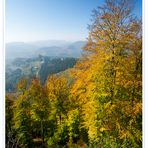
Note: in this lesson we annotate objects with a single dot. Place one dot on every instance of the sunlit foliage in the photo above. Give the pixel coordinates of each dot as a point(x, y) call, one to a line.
point(102, 106)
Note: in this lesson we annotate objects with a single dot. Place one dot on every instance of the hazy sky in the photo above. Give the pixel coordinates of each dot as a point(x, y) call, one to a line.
point(30, 20)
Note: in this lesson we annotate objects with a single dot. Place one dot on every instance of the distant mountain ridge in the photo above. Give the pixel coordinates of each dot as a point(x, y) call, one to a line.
point(55, 48)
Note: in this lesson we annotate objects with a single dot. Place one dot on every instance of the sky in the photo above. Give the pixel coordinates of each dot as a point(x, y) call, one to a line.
point(33, 20)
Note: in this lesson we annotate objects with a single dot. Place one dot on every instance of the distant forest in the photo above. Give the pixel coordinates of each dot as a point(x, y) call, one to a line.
point(40, 67)
point(91, 102)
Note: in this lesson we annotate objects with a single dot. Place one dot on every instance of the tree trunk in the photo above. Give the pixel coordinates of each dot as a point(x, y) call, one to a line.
point(42, 133)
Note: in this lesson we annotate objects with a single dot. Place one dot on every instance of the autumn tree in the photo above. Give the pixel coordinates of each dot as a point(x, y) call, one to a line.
point(31, 113)
point(58, 92)
point(22, 85)
point(108, 77)
point(63, 112)
point(10, 132)
point(22, 119)
point(40, 109)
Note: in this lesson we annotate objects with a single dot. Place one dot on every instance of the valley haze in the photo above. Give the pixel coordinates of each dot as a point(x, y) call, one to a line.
point(52, 48)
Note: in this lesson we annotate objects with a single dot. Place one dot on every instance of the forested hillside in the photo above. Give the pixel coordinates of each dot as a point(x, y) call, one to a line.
point(39, 67)
point(101, 107)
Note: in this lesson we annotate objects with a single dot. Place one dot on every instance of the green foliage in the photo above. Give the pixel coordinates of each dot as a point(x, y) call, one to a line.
point(22, 120)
